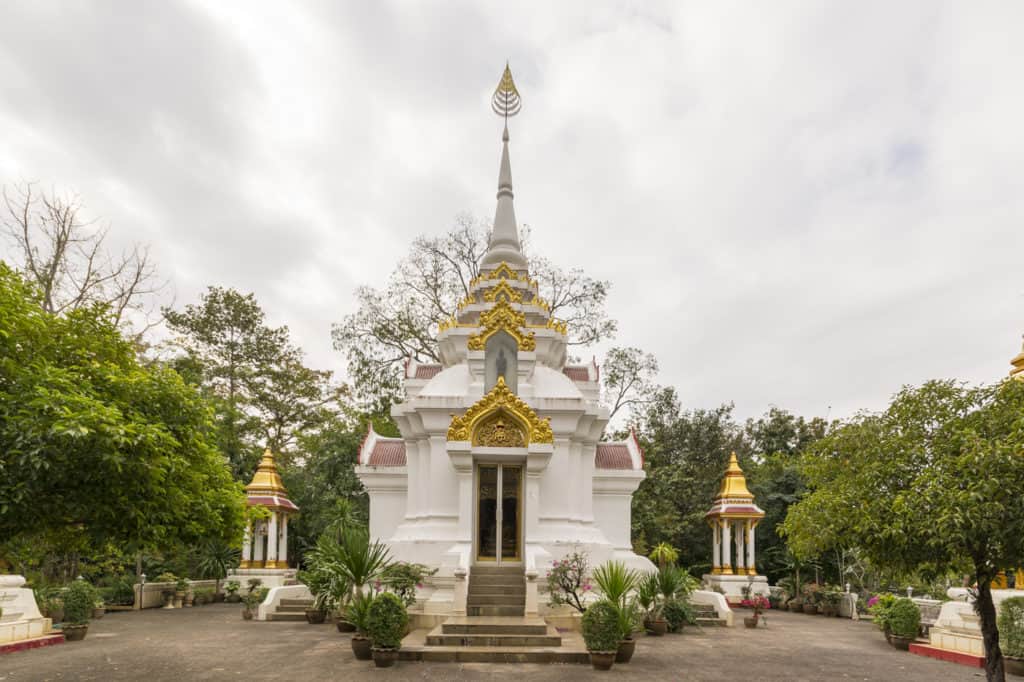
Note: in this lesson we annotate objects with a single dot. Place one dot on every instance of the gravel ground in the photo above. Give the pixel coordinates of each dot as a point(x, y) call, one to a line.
point(213, 643)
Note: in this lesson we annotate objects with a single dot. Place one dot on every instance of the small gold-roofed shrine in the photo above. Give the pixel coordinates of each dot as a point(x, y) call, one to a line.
point(733, 519)
point(1018, 365)
point(266, 540)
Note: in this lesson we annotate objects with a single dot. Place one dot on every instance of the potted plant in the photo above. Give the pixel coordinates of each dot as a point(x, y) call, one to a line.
point(615, 582)
point(251, 602)
point(231, 588)
point(79, 600)
point(879, 607)
point(99, 608)
point(830, 599)
point(180, 590)
point(677, 613)
point(385, 623)
point(664, 555)
point(904, 620)
point(215, 558)
point(758, 603)
point(648, 597)
point(601, 633)
point(1011, 634)
point(357, 612)
point(812, 593)
point(318, 581)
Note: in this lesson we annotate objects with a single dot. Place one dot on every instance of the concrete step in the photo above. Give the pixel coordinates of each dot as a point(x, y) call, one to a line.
point(496, 600)
point(287, 616)
point(497, 591)
point(495, 610)
point(549, 639)
point(497, 625)
point(304, 603)
point(497, 570)
point(496, 654)
point(497, 579)
point(293, 609)
point(711, 622)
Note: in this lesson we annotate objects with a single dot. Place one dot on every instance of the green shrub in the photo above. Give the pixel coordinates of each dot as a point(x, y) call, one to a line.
point(79, 600)
point(904, 618)
point(253, 599)
point(1011, 627)
point(386, 621)
point(678, 613)
point(166, 577)
point(232, 586)
point(357, 611)
point(600, 624)
point(881, 609)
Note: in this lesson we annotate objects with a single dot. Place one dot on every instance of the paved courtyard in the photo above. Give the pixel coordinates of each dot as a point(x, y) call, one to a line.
point(214, 643)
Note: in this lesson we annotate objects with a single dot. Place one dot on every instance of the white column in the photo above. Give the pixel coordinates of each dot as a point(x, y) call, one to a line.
point(272, 540)
point(246, 546)
point(751, 566)
point(282, 550)
point(726, 541)
point(741, 563)
point(716, 549)
point(257, 536)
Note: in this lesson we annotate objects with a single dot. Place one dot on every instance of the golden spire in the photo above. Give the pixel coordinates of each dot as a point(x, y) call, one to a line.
point(1018, 365)
point(506, 101)
point(266, 480)
point(734, 485)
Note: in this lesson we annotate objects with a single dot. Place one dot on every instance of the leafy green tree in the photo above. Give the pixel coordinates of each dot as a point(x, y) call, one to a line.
point(932, 484)
point(90, 439)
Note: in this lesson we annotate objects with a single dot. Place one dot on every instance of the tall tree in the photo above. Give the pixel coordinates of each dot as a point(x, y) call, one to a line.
point(628, 380)
point(95, 442)
point(932, 484)
point(66, 257)
point(400, 320)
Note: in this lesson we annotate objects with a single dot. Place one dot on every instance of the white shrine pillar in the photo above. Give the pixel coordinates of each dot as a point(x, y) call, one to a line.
point(247, 546)
point(726, 541)
point(282, 550)
point(741, 562)
point(751, 565)
point(272, 540)
point(257, 554)
point(716, 549)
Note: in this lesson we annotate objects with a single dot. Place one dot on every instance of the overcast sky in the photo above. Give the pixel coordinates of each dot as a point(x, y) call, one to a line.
point(799, 204)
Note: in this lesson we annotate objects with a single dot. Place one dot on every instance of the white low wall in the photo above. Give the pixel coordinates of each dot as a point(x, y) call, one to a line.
point(153, 593)
point(276, 594)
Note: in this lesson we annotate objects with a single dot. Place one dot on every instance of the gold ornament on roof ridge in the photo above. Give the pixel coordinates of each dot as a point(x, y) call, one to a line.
point(502, 318)
point(482, 423)
point(503, 289)
point(506, 100)
point(266, 479)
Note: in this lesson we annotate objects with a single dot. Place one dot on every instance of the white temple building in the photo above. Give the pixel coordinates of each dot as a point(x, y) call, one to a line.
point(500, 461)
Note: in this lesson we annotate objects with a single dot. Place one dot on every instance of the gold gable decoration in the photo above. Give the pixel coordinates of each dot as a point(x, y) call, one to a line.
point(503, 271)
point(503, 289)
point(502, 318)
point(499, 419)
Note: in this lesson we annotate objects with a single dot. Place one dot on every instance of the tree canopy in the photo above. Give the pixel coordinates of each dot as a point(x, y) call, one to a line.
point(91, 439)
point(934, 483)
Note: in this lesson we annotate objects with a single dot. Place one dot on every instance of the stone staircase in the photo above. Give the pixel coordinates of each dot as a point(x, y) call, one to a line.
point(496, 591)
point(708, 616)
point(291, 609)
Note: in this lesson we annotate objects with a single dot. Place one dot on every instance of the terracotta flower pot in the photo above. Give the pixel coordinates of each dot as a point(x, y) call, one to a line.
point(627, 648)
point(384, 658)
point(246, 614)
point(345, 626)
point(810, 609)
point(98, 612)
point(902, 643)
point(602, 660)
point(362, 648)
point(75, 633)
point(658, 627)
point(750, 621)
point(315, 616)
point(1014, 666)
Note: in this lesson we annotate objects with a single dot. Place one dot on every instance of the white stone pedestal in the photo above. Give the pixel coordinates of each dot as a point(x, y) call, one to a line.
point(271, 577)
point(732, 585)
point(21, 619)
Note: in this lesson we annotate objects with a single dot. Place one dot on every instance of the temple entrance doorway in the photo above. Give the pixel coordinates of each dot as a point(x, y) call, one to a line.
point(499, 513)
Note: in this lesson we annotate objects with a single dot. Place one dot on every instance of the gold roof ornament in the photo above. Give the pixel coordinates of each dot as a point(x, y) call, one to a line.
point(506, 101)
point(502, 318)
point(501, 419)
point(1018, 365)
point(734, 485)
point(266, 480)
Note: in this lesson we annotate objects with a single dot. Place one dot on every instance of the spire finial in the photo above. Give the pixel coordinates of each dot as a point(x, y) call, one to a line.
point(504, 246)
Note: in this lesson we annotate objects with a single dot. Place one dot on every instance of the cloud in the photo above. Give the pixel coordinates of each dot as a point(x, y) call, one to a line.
point(799, 204)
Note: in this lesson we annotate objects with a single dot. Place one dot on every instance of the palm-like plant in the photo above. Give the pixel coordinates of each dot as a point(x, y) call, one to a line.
point(673, 582)
point(664, 554)
point(215, 558)
point(615, 581)
point(648, 596)
point(358, 612)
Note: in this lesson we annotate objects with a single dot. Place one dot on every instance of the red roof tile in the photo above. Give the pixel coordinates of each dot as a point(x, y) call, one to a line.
point(613, 456)
point(387, 453)
point(427, 371)
point(577, 372)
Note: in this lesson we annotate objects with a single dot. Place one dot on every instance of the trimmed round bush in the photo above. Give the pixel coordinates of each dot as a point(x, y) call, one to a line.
point(904, 618)
point(79, 600)
point(600, 627)
point(1011, 627)
point(677, 613)
point(386, 620)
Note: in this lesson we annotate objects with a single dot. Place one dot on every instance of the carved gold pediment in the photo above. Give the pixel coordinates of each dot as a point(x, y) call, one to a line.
point(502, 318)
point(503, 292)
point(500, 419)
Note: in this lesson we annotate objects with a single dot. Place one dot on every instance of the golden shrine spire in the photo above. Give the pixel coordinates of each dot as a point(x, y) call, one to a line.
point(504, 246)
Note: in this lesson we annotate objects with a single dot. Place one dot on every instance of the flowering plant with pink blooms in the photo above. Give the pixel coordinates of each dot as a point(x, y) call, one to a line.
point(568, 582)
point(758, 602)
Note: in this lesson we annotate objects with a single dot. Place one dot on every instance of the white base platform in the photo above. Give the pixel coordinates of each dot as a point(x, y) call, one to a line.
point(732, 585)
point(21, 619)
